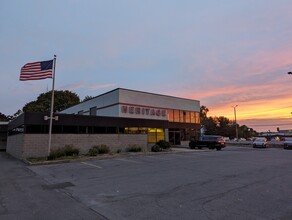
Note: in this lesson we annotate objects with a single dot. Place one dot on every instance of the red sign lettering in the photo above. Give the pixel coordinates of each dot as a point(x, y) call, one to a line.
point(163, 112)
point(124, 109)
point(137, 110)
point(143, 111)
point(131, 110)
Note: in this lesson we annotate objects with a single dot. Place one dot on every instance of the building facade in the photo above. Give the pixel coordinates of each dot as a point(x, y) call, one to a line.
point(182, 115)
point(118, 118)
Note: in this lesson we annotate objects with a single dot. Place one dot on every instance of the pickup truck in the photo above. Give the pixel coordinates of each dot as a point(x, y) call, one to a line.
point(210, 141)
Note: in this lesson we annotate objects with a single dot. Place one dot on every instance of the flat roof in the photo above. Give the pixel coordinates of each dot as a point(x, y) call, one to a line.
point(131, 90)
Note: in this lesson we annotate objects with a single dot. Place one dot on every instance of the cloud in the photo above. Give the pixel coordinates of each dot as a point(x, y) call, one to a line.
point(264, 125)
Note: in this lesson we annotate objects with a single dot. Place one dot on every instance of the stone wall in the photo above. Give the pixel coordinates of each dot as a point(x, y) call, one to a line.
point(36, 145)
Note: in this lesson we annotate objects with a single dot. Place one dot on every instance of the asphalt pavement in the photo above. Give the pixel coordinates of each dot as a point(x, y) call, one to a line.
point(25, 195)
point(235, 183)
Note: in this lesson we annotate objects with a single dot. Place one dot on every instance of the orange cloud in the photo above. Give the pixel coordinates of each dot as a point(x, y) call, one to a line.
point(259, 85)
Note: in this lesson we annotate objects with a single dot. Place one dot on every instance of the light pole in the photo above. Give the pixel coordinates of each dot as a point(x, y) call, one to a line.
point(236, 132)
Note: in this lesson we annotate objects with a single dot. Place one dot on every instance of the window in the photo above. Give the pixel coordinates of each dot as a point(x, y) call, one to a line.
point(160, 134)
point(181, 116)
point(83, 130)
point(188, 117)
point(193, 117)
point(122, 131)
point(70, 129)
point(155, 135)
point(152, 135)
point(131, 130)
point(176, 115)
point(197, 117)
point(111, 130)
point(99, 130)
point(170, 115)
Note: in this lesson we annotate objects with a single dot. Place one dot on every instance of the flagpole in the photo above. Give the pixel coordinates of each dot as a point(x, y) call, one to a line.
point(52, 105)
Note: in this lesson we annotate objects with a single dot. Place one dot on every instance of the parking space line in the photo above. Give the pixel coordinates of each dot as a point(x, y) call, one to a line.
point(92, 165)
point(157, 157)
point(184, 155)
point(131, 161)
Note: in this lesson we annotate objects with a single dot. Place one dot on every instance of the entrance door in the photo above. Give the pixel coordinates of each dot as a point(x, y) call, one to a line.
point(174, 136)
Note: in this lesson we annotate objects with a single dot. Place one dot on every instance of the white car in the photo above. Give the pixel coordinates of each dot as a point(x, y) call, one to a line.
point(260, 142)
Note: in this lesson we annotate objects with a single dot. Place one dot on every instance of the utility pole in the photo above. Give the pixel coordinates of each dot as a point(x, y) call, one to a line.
point(236, 131)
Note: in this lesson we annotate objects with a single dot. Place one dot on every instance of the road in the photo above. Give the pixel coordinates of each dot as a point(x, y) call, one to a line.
point(235, 183)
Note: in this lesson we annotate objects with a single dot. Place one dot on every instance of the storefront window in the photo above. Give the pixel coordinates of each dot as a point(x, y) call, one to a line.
point(160, 134)
point(176, 115)
point(155, 135)
point(131, 130)
point(143, 130)
point(170, 115)
point(188, 117)
point(193, 119)
point(152, 135)
point(197, 117)
point(182, 116)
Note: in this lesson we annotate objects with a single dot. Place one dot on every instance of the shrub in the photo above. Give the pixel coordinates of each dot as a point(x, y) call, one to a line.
point(54, 154)
point(103, 149)
point(160, 145)
point(98, 149)
point(69, 150)
point(163, 144)
point(119, 151)
point(134, 148)
point(93, 151)
point(155, 148)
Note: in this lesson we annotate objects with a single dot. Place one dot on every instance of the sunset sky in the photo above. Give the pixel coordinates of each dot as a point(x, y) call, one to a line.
point(223, 53)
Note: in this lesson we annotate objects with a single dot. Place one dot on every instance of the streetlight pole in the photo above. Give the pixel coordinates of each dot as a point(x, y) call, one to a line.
point(236, 131)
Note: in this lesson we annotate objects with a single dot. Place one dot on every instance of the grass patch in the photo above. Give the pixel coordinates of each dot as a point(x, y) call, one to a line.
point(36, 159)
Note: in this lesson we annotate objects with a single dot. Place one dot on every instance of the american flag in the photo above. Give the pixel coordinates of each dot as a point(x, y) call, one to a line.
point(37, 70)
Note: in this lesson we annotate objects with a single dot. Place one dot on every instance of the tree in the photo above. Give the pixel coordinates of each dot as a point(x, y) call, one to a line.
point(62, 100)
point(246, 132)
point(3, 117)
point(87, 98)
point(223, 126)
point(203, 112)
point(210, 125)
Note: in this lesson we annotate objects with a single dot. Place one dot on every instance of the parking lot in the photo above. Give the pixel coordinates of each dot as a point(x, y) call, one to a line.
point(235, 183)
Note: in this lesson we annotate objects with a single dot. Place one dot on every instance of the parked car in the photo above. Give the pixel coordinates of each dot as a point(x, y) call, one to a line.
point(210, 141)
point(260, 142)
point(288, 143)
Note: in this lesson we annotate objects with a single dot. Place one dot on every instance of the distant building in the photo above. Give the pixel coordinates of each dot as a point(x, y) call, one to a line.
point(118, 118)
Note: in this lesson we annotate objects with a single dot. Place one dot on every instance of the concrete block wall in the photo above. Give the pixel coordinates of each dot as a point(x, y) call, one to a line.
point(15, 145)
point(36, 145)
